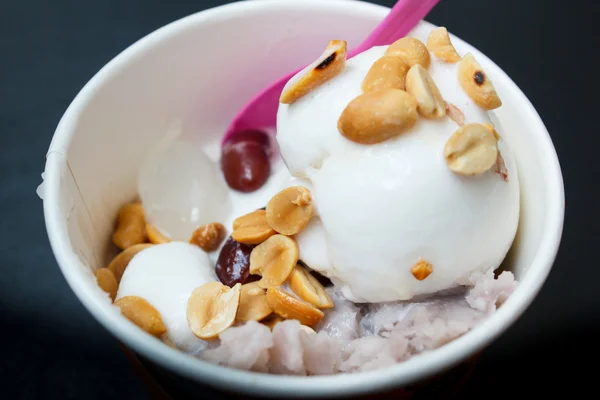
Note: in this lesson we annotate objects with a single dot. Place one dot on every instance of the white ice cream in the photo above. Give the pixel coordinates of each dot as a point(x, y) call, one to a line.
point(165, 275)
point(383, 207)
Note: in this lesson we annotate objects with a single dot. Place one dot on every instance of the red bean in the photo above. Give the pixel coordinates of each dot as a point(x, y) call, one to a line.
point(233, 264)
point(245, 165)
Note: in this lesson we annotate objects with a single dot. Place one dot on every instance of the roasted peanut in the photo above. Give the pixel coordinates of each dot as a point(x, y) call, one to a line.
point(421, 270)
point(455, 114)
point(290, 210)
point(439, 44)
point(252, 228)
point(274, 260)
point(476, 84)
point(471, 150)
point(253, 303)
point(421, 86)
point(131, 226)
point(374, 117)
point(107, 282)
point(141, 313)
point(388, 72)
point(308, 288)
point(208, 237)
point(330, 64)
point(412, 50)
point(155, 236)
point(121, 260)
point(212, 308)
point(290, 307)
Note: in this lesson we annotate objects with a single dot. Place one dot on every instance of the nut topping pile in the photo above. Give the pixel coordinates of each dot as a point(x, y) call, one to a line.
point(260, 275)
point(273, 260)
point(398, 87)
point(391, 93)
point(132, 235)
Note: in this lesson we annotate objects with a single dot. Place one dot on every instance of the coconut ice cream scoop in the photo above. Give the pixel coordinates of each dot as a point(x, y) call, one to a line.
point(414, 188)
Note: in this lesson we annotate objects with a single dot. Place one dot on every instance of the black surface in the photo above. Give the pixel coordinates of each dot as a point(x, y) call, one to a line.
point(49, 49)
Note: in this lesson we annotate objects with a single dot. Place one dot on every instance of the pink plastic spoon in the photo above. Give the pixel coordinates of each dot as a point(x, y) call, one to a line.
point(261, 111)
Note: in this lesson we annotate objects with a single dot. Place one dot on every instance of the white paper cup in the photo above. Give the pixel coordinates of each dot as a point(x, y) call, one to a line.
point(212, 62)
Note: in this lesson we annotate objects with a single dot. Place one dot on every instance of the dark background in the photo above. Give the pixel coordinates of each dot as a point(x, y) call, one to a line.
point(49, 49)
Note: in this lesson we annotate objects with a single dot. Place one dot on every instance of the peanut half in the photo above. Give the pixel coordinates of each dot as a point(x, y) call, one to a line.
point(253, 303)
point(471, 150)
point(141, 313)
point(438, 42)
point(131, 226)
point(290, 307)
point(309, 289)
point(421, 270)
point(155, 236)
point(290, 210)
point(121, 260)
point(374, 117)
point(476, 83)
point(330, 64)
point(107, 282)
point(274, 260)
point(412, 50)
point(208, 237)
point(422, 87)
point(252, 228)
point(388, 72)
point(212, 308)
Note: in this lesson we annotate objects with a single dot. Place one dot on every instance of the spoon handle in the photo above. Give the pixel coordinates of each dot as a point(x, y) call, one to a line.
point(261, 110)
point(400, 20)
